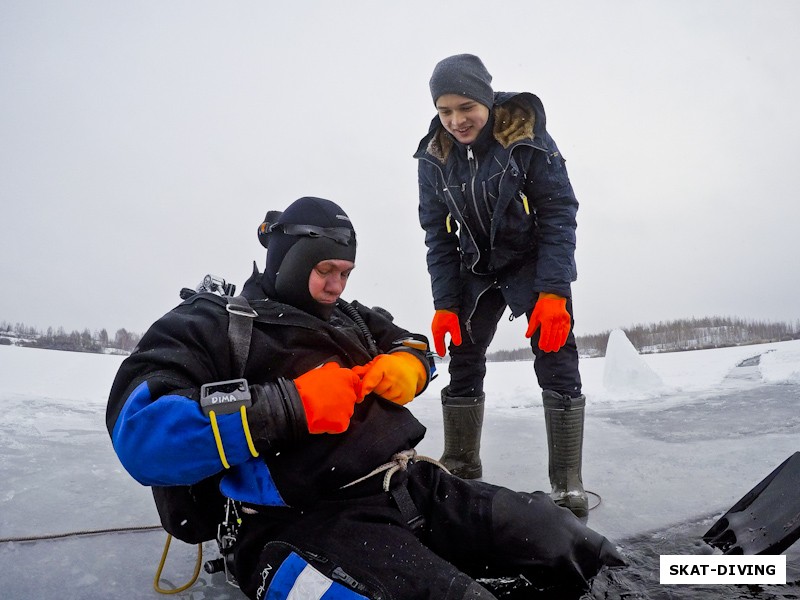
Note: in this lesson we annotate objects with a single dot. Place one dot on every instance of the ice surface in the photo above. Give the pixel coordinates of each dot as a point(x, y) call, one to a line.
point(681, 443)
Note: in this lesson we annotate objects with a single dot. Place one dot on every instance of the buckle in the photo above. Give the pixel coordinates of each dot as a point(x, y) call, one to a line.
point(236, 309)
point(224, 397)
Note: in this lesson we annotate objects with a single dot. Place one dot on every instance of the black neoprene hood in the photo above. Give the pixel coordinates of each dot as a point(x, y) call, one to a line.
point(310, 230)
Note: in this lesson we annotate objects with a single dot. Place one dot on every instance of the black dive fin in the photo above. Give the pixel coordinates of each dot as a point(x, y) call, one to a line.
point(767, 519)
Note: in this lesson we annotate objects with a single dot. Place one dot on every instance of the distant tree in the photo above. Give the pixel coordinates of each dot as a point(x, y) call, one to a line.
point(87, 343)
point(122, 339)
point(125, 340)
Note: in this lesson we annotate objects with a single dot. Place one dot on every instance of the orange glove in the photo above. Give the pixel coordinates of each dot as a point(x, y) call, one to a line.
point(329, 395)
point(398, 377)
point(445, 321)
point(551, 313)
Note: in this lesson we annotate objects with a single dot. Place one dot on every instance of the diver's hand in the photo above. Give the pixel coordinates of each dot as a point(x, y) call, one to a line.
point(329, 395)
point(397, 377)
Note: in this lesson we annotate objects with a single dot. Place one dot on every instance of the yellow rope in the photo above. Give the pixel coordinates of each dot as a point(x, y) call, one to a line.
point(246, 428)
point(186, 586)
point(213, 416)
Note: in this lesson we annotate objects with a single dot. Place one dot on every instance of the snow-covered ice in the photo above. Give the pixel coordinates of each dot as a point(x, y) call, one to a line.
point(670, 438)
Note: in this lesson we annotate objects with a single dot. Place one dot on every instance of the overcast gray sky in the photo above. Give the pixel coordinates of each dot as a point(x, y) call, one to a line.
point(142, 142)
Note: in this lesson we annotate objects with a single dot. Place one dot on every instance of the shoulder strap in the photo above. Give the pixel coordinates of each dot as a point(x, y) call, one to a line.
point(240, 330)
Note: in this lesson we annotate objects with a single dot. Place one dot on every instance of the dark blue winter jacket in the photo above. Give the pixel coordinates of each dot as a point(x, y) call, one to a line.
point(163, 438)
point(498, 212)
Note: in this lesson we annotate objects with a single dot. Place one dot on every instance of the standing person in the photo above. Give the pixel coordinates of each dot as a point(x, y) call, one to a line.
point(499, 213)
point(319, 457)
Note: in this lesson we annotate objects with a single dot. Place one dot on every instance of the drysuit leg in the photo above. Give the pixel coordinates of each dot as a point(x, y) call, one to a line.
point(489, 531)
point(359, 548)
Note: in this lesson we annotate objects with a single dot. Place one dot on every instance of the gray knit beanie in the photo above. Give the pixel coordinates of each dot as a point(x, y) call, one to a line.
point(465, 75)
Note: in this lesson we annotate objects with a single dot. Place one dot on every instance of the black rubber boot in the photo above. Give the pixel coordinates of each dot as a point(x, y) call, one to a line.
point(563, 417)
point(463, 420)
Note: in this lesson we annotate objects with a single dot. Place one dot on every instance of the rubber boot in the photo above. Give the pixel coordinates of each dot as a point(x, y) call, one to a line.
point(463, 420)
point(563, 417)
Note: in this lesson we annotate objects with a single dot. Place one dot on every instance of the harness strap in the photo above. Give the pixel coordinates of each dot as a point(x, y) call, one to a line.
point(240, 329)
point(408, 509)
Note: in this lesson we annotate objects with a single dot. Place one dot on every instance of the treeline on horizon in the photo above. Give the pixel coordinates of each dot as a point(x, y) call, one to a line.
point(76, 341)
point(677, 336)
point(664, 336)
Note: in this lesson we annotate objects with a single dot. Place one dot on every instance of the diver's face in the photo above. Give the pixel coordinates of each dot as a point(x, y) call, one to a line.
point(328, 279)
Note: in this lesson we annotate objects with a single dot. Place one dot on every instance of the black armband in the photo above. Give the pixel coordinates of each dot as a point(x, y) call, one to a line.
point(276, 415)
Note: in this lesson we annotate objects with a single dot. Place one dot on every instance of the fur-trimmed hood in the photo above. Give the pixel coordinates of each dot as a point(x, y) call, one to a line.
point(516, 117)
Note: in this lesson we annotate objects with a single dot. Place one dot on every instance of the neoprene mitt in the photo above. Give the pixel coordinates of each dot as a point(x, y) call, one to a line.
point(329, 395)
point(551, 314)
point(445, 321)
point(398, 377)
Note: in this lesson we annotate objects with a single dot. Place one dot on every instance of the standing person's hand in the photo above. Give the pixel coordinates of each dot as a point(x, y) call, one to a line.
point(329, 395)
point(445, 321)
point(551, 314)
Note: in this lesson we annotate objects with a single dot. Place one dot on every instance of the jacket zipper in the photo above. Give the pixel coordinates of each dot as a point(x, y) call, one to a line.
point(522, 195)
point(473, 172)
point(454, 207)
point(455, 212)
point(468, 322)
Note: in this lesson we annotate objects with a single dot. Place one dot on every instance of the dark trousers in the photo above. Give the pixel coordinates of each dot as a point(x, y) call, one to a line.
point(557, 371)
point(363, 547)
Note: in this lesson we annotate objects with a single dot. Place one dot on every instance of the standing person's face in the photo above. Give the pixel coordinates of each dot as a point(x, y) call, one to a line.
point(328, 279)
point(461, 116)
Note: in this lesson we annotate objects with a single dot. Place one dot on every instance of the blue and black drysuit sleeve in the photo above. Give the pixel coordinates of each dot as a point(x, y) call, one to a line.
point(157, 426)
